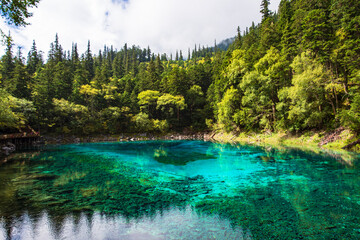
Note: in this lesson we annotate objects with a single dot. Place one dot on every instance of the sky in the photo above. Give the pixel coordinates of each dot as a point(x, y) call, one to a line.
point(163, 25)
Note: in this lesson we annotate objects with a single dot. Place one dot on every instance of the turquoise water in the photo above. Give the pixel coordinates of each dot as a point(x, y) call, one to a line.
point(179, 190)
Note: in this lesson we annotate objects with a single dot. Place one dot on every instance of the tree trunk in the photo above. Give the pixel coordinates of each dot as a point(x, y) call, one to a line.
point(274, 112)
point(178, 115)
point(351, 144)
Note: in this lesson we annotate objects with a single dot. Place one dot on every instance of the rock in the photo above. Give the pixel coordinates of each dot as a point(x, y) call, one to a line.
point(11, 145)
point(8, 148)
point(258, 197)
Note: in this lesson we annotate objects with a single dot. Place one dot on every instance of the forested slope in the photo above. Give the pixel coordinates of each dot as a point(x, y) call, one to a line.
point(299, 69)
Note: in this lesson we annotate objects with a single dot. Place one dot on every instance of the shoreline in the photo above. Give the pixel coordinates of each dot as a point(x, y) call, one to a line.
point(313, 141)
point(334, 140)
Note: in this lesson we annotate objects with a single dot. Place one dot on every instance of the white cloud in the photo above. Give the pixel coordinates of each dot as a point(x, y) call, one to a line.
point(164, 25)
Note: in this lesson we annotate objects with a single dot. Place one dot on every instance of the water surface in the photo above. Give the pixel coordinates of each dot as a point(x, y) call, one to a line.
point(179, 190)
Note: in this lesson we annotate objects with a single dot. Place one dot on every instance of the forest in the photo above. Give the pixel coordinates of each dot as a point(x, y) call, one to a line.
point(297, 70)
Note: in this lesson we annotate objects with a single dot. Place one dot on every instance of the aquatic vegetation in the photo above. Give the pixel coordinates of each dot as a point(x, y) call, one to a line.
point(248, 191)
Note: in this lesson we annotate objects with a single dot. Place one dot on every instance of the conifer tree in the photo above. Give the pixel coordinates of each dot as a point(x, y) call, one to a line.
point(89, 62)
point(7, 65)
point(55, 53)
point(74, 54)
point(118, 70)
point(265, 9)
point(34, 60)
point(21, 78)
point(148, 54)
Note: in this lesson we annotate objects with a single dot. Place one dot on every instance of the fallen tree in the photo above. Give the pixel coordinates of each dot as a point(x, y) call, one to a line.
point(351, 144)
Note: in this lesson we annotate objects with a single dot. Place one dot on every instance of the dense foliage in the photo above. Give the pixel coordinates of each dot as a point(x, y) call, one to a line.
point(16, 12)
point(298, 69)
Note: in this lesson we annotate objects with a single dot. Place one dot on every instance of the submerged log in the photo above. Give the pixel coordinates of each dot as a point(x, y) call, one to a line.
point(352, 144)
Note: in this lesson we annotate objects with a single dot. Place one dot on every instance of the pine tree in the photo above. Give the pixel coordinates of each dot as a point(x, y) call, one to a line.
point(74, 54)
point(164, 57)
point(118, 68)
point(58, 50)
point(148, 54)
point(21, 78)
point(238, 33)
point(34, 60)
point(317, 33)
point(7, 66)
point(265, 9)
point(55, 52)
point(89, 62)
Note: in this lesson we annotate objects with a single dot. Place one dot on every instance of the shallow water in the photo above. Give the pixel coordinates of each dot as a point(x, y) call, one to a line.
point(179, 190)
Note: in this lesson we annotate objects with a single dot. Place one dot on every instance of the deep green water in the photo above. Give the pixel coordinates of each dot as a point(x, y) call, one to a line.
point(179, 190)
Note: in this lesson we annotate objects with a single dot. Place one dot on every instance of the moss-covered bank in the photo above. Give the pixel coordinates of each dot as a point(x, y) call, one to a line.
point(312, 140)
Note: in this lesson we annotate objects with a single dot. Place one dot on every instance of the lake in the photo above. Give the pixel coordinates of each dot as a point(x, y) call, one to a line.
point(179, 190)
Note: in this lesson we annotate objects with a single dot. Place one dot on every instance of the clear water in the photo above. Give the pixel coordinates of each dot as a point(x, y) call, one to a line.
point(179, 190)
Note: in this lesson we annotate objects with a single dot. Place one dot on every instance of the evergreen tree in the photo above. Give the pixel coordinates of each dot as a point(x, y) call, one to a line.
point(56, 52)
point(118, 68)
point(148, 54)
point(89, 62)
point(265, 11)
point(317, 33)
point(8, 66)
point(75, 55)
point(21, 78)
point(34, 60)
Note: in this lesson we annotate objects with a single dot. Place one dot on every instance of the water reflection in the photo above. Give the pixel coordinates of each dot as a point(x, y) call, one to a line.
point(144, 190)
point(172, 224)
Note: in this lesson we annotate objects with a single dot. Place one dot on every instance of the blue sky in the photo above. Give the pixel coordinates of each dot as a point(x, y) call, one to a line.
point(164, 25)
